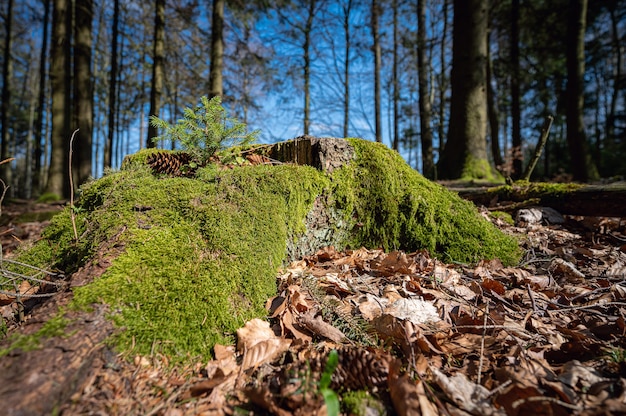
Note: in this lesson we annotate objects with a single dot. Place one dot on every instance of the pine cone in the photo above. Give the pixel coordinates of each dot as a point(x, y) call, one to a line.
point(358, 369)
point(173, 164)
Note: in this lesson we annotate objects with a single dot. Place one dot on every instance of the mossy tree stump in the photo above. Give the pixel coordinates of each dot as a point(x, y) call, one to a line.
point(190, 260)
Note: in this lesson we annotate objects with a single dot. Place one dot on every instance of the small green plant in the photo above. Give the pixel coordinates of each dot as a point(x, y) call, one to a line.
point(617, 355)
point(205, 130)
point(330, 397)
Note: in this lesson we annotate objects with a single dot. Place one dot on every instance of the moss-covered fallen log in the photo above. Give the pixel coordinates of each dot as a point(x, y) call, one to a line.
point(573, 199)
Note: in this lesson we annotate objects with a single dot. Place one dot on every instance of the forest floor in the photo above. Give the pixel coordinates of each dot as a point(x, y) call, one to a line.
point(413, 335)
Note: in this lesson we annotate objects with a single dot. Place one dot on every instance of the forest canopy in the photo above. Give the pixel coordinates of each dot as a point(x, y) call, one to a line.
point(382, 70)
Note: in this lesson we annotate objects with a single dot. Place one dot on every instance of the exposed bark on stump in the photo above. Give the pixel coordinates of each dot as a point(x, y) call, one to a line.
point(324, 153)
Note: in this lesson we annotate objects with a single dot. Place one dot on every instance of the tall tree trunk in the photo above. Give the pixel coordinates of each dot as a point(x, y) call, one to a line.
point(494, 122)
point(307, 66)
point(582, 165)
point(157, 68)
point(465, 153)
point(217, 50)
point(108, 145)
point(5, 169)
point(83, 91)
point(442, 81)
point(377, 67)
point(395, 83)
point(346, 68)
point(423, 68)
point(60, 78)
point(39, 134)
point(516, 130)
point(617, 50)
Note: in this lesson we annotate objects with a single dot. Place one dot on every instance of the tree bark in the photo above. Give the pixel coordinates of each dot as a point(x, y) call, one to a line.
point(516, 130)
point(423, 68)
point(108, 146)
point(377, 68)
point(465, 153)
point(157, 68)
point(307, 66)
point(5, 169)
point(60, 73)
point(443, 84)
point(494, 122)
point(39, 134)
point(216, 87)
point(583, 167)
point(346, 69)
point(83, 91)
point(395, 82)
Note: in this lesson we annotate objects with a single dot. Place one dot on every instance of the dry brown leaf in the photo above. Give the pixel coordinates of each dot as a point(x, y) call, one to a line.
point(405, 396)
point(468, 396)
point(417, 311)
point(253, 332)
point(263, 352)
point(289, 321)
point(493, 285)
point(371, 306)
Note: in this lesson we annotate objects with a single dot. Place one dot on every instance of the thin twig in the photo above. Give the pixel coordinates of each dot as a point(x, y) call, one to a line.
point(482, 345)
point(72, 213)
point(532, 298)
point(4, 191)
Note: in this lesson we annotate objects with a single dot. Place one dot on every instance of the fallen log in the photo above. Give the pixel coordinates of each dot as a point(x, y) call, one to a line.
point(569, 199)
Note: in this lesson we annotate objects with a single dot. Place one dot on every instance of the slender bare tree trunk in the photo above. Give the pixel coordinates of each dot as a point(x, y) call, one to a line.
point(442, 82)
point(60, 79)
point(108, 146)
point(5, 169)
point(39, 134)
point(308, 28)
point(216, 86)
point(346, 69)
point(494, 122)
point(516, 129)
point(423, 69)
point(157, 68)
point(377, 68)
point(617, 49)
point(582, 165)
point(395, 143)
point(83, 91)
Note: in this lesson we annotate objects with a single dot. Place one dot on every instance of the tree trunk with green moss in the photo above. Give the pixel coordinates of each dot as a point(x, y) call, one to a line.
point(465, 151)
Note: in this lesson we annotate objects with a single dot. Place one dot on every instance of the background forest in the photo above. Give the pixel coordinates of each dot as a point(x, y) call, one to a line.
point(446, 83)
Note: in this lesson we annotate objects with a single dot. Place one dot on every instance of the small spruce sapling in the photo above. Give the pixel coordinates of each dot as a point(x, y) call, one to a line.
point(205, 130)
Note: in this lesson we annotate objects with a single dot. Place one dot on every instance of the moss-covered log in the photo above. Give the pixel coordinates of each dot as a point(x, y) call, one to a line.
point(573, 199)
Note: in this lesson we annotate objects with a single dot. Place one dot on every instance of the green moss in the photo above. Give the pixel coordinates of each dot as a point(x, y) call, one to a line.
point(394, 207)
point(479, 169)
point(54, 327)
point(357, 402)
point(200, 255)
point(524, 190)
point(48, 197)
point(139, 160)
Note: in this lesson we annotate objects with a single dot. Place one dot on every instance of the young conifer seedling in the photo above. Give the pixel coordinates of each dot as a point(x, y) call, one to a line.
point(205, 130)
